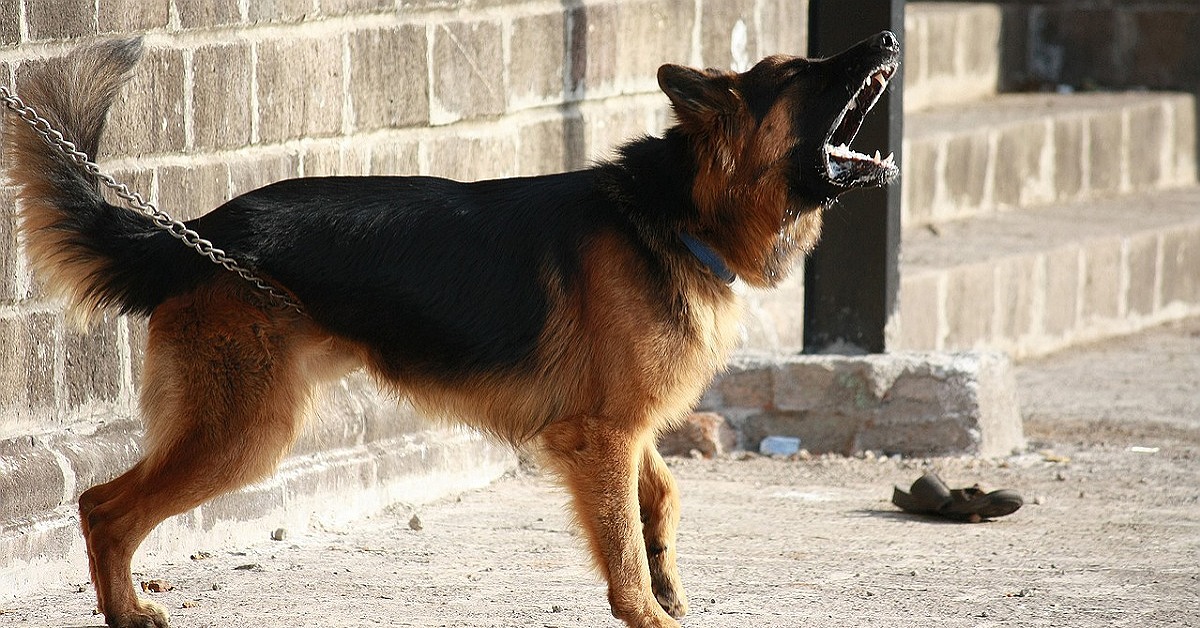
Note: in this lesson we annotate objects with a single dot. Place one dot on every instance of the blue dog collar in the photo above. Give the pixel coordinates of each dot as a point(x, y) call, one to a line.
point(708, 257)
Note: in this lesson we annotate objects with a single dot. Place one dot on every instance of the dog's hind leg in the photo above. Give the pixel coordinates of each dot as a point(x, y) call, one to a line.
point(225, 385)
point(658, 496)
point(598, 459)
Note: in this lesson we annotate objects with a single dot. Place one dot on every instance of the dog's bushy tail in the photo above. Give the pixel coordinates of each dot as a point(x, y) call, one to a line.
point(98, 255)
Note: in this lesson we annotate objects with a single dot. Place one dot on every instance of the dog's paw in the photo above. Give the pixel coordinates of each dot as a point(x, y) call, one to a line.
point(145, 615)
point(672, 600)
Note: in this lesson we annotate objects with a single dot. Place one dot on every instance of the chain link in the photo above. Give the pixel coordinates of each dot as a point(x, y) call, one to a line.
point(162, 220)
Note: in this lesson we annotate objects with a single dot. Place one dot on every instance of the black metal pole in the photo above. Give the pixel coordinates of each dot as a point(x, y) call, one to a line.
point(851, 279)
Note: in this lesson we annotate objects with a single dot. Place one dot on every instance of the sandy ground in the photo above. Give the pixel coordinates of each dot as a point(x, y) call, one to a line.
point(1109, 536)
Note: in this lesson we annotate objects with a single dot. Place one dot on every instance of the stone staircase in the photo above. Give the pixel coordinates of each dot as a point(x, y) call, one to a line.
point(1036, 221)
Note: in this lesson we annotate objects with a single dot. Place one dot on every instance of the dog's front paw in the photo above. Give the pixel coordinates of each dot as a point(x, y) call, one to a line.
point(672, 600)
point(145, 615)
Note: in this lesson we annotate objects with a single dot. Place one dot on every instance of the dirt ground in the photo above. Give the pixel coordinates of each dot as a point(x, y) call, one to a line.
point(1109, 535)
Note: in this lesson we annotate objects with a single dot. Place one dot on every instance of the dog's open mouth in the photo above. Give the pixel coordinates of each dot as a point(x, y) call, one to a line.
point(845, 166)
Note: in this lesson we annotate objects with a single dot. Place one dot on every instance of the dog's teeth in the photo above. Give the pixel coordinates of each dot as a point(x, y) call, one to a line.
point(853, 104)
point(877, 157)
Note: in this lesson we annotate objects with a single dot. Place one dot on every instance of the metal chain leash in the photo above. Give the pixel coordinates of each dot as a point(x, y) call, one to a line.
point(162, 220)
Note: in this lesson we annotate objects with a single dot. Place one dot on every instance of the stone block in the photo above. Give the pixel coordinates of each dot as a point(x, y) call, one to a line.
point(130, 16)
point(784, 28)
point(593, 48)
point(979, 42)
point(251, 173)
point(468, 71)
point(466, 158)
point(920, 312)
point(60, 19)
point(1181, 267)
point(1019, 164)
point(221, 114)
point(728, 37)
point(299, 88)
point(921, 181)
point(707, 434)
point(1143, 274)
point(803, 386)
point(14, 349)
point(543, 147)
point(1061, 291)
point(11, 281)
point(10, 22)
point(1107, 155)
point(389, 84)
point(1102, 290)
point(911, 403)
point(280, 10)
point(1068, 158)
point(186, 192)
point(649, 35)
point(1148, 155)
point(745, 386)
point(208, 13)
point(395, 157)
point(967, 160)
point(41, 339)
point(147, 117)
point(536, 67)
point(1183, 161)
point(970, 306)
point(1016, 284)
point(114, 447)
point(941, 43)
point(33, 482)
point(93, 363)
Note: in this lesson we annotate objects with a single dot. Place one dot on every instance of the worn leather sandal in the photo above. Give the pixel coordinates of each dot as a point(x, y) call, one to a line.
point(929, 495)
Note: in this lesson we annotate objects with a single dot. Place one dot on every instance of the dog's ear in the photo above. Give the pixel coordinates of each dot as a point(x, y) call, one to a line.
point(698, 96)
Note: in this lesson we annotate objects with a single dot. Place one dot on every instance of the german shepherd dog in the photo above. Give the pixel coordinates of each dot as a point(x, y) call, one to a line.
point(576, 315)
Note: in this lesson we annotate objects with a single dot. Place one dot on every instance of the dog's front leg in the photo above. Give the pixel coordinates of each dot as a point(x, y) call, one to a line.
point(598, 460)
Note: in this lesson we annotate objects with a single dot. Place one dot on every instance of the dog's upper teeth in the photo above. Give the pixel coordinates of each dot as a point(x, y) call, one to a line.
point(879, 77)
point(853, 104)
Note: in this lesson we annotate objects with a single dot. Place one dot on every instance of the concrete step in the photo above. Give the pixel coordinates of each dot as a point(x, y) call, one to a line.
point(1032, 282)
point(951, 53)
point(1030, 150)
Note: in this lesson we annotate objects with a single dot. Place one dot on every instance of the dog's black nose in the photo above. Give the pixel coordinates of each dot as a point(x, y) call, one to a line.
point(887, 40)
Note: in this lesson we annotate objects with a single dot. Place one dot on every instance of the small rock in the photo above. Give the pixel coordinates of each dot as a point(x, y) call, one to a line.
point(278, 534)
point(249, 567)
point(557, 609)
point(190, 604)
point(706, 432)
point(201, 556)
point(156, 586)
point(415, 523)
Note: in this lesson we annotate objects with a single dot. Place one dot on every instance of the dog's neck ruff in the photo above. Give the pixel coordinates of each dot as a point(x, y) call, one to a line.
point(710, 258)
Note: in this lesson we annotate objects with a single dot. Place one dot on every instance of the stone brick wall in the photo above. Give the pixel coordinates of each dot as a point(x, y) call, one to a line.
point(234, 94)
point(1101, 43)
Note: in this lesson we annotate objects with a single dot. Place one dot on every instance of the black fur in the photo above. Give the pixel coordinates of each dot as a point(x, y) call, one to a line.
point(447, 277)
